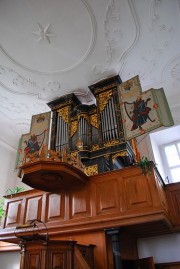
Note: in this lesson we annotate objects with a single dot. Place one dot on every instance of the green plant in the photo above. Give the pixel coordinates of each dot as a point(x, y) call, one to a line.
point(14, 191)
point(145, 165)
point(2, 212)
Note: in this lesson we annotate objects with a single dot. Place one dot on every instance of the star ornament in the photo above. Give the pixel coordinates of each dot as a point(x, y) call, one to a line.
point(44, 33)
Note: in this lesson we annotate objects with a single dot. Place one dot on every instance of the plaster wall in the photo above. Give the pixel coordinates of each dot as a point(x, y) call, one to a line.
point(9, 260)
point(7, 163)
point(164, 248)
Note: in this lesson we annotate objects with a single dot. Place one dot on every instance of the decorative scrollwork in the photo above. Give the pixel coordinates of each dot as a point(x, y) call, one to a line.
point(74, 126)
point(64, 113)
point(111, 143)
point(74, 153)
point(95, 147)
point(94, 120)
point(103, 99)
point(55, 156)
point(119, 154)
point(91, 170)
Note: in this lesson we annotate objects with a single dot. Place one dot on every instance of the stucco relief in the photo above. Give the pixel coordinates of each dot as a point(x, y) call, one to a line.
point(67, 48)
point(15, 83)
point(119, 40)
point(153, 53)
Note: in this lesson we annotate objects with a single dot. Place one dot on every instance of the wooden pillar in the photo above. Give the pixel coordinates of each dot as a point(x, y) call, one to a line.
point(114, 235)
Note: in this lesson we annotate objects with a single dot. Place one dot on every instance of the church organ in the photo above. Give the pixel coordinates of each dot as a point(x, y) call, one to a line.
point(93, 132)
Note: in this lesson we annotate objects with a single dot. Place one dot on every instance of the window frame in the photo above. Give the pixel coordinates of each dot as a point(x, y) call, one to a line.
point(167, 168)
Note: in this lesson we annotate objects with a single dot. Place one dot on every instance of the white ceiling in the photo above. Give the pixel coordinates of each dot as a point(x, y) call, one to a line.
point(51, 48)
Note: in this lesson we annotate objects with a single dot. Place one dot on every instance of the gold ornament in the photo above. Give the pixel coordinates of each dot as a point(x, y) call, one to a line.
point(103, 99)
point(74, 126)
point(111, 143)
point(64, 113)
point(95, 147)
point(119, 154)
point(91, 170)
point(94, 120)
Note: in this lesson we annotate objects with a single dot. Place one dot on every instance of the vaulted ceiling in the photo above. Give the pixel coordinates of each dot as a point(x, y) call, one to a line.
point(51, 48)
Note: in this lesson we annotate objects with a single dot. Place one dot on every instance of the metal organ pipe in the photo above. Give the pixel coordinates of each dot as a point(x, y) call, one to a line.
point(111, 120)
point(57, 133)
point(108, 121)
point(86, 132)
point(102, 127)
point(114, 117)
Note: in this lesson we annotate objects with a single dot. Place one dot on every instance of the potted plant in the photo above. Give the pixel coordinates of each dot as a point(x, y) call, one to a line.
point(145, 165)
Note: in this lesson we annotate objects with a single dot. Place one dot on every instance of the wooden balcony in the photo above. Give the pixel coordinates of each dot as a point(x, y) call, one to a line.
point(122, 198)
point(137, 205)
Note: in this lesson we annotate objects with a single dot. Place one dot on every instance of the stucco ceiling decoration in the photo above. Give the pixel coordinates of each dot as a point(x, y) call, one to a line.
point(118, 41)
point(159, 44)
point(44, 33)
point(15, 83)
point(67, 49)
point(51, 48)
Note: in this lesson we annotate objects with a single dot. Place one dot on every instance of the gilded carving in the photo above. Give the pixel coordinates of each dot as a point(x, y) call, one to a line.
point(94, 120)
point(55, 156)
point(119, 154)
point(95, 147)
point(64, 113)
point(111, 143)
point(103, 99)
point(74, 153)
point(91, 170)
point(74, 126)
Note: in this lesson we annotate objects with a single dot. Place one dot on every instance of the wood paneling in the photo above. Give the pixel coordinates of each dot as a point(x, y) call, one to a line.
point(55, 207)
point(79, 203)
point(13, 213)
point(53, 255)
point(33, 261)
point(107, 196)
point(173, 194)
point(33, 208)
point(118, 198)
point(137, 192)
point(56, 259)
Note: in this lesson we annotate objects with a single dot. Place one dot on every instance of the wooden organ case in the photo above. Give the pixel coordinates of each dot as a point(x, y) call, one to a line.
point(93, 132)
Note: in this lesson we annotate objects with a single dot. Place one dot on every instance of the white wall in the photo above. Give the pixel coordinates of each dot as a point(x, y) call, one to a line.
point(7, 163)
point(8, 175)
point(164, 248)
point(9, 260)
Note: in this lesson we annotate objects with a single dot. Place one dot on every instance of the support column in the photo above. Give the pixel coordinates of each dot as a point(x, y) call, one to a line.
point(114, 236)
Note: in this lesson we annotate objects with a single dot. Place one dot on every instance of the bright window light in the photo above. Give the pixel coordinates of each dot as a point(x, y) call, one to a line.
point(171, 157)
